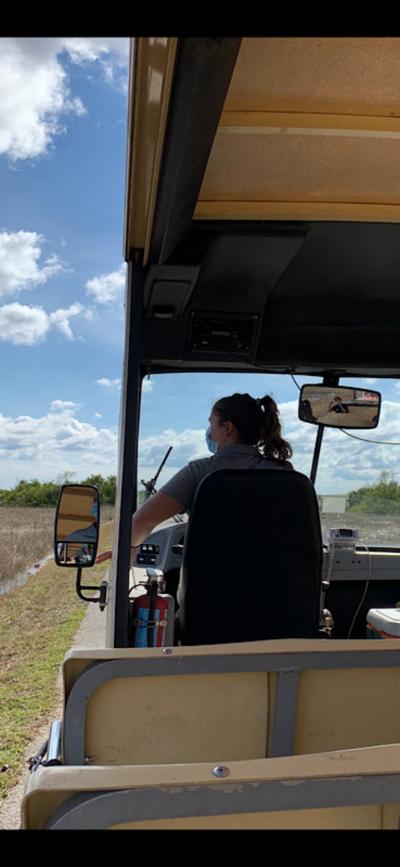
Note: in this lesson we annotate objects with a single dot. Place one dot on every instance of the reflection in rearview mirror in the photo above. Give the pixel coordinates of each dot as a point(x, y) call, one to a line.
point(339, 406)
point(77, 525)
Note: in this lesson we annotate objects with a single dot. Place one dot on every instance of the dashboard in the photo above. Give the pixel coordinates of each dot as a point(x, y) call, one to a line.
point(359, 578)
point(157, 550)
point(358, 564)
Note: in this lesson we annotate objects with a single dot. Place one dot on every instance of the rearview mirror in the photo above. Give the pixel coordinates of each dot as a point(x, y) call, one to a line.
point(339, 406)
point(77, 523)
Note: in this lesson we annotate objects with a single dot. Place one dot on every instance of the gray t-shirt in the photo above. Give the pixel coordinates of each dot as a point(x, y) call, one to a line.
point(182, 487)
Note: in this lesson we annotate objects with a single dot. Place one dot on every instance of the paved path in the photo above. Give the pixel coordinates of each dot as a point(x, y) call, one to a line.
point(91, 633)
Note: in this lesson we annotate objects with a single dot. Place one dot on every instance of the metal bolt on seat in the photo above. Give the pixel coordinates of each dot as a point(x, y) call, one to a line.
point(221, 771)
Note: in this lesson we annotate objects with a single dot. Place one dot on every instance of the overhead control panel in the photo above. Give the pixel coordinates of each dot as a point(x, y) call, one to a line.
point(232, 336)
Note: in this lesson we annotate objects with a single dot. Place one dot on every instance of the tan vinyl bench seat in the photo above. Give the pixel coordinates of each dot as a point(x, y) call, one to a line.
point(229, 702)
point(355, 789)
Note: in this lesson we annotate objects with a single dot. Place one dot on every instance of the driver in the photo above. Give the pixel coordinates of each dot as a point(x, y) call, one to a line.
point(337, 405)
point(243, 433)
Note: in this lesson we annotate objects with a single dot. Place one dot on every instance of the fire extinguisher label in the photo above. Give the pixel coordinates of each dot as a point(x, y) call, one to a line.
point(141, 630)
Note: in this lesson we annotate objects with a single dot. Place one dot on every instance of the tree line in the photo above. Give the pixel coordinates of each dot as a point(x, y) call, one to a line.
point(383, 498)
point(35, 493)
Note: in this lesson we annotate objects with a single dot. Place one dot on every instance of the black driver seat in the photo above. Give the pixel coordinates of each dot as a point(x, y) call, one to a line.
point(252, 559)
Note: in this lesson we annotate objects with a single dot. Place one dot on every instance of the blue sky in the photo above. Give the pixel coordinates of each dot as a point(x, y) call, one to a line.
point(62, 167)
point(62, 173)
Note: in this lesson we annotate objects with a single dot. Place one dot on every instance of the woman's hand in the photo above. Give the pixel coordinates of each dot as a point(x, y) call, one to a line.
point(105, 555)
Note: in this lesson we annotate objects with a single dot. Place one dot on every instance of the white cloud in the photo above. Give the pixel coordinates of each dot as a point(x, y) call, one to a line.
point(88, 313)
point(64, 405)
point(21, 324)
point(19, 262)
point(98, 415)
point(35, 89)
point(34, 93)
point(60, 318)
point(187, 446)
point(112, 54)
point(114, 384)
point(20, 269)
point(107, 287)
point(47, 446)
point(83, 49)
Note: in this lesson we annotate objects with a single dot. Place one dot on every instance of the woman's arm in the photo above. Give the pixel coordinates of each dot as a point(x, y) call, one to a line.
point(156, 509)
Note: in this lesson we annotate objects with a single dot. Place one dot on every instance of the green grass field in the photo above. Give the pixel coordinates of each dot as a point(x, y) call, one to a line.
point(37, 625)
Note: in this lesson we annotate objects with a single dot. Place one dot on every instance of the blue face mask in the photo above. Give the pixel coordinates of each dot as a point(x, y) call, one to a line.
point(211, 444)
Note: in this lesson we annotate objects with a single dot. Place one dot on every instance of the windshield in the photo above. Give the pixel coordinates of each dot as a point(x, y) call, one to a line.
point(359, 475)
point(357, 482)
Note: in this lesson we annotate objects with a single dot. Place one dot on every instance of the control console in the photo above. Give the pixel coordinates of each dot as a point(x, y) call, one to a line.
point(147, 554)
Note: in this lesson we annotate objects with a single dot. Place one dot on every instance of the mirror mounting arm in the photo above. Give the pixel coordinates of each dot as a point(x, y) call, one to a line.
point(330, 379)
point(101, 598)
point(317, 450)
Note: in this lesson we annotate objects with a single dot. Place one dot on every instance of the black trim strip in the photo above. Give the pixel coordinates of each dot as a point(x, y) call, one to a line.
point(128, 445)
point(203, 71)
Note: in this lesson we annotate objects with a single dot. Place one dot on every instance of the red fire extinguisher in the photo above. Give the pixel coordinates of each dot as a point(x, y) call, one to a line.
point(152, 616)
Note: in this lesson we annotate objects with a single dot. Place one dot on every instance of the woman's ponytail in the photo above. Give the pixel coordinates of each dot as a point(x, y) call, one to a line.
point(272, 445)
point(257, 422)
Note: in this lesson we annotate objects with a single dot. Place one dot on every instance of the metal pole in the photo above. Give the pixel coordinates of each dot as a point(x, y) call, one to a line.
point(317, 449)
point(54, 744)
point(126, 499)
point(331, 379)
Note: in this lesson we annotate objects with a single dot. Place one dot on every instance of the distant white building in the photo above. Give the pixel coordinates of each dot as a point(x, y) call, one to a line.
point(334, 503)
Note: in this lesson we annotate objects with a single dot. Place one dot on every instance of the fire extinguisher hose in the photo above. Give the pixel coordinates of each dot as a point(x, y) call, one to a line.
point(152, 639)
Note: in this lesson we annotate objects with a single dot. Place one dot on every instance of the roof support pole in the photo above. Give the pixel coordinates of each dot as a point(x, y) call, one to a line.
point(332, 380)
point(118, 602)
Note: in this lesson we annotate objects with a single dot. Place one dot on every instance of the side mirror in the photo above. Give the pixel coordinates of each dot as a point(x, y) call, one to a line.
point(339, 406)
point(77, 523)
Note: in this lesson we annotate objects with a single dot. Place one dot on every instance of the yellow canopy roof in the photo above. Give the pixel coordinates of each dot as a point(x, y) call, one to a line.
point(310, 130)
